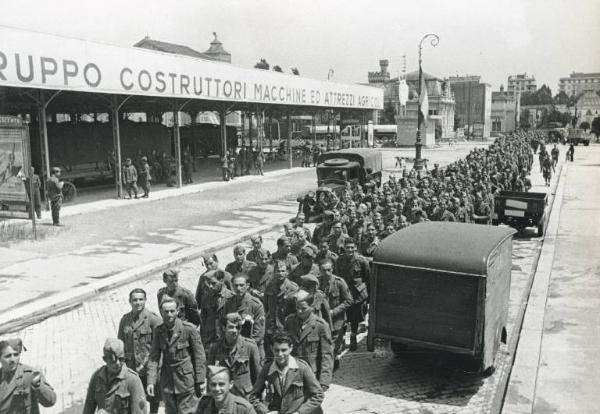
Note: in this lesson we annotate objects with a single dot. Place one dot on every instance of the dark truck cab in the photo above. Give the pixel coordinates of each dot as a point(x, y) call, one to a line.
point(336, 170)
point(520, 210)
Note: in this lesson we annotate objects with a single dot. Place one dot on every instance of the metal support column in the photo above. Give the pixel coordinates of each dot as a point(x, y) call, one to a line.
point(314, 130)
point(177, 146)
point(291, 156)
point(223, 120)
point(117, 147)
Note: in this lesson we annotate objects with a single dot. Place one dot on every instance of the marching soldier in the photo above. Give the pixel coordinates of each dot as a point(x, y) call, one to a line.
point(250, 308)
point(219, 399)
point(54, 187)
point(183, 370)
point(337, 292)
point(136, 330)
point(290, 384)
point(22, 388)
point(213, 303)
point(284, 252)
point(240, 264)
point(240, 355)
point(307, 256)
point(257, 249)
point(115, 388)
point(311, 338)
point(186, 302)
point(355, 271)
point(260, 276)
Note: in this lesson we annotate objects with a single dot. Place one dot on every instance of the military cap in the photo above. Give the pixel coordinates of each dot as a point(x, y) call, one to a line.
point(308, 251)
point(114, 347)
point(213, 370)
point(16, 344)
point(309, 279)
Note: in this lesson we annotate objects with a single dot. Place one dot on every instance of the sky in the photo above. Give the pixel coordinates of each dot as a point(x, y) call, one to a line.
point(494, 39)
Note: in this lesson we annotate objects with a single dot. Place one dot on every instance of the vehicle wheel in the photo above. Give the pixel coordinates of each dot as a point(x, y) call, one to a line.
point(540, 230)
point(69, 191)
point(398, 348)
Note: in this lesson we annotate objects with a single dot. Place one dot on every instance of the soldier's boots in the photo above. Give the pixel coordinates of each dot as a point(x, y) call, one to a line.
point(353, 344)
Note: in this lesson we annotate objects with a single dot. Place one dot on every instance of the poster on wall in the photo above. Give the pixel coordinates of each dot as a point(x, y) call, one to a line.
point(14, 159)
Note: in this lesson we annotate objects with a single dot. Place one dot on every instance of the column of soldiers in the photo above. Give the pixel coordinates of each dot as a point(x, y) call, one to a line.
point(265, 333)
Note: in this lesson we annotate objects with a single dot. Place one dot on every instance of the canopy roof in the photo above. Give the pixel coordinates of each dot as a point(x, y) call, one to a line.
point(446, 246)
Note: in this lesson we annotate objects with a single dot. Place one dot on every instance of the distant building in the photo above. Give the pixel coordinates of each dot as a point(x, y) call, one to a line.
point(588, 107)
point(578, 82)
point(473, 104)
point(503, 112)
point(383, 80)
point(215, 51)
point(521, 83)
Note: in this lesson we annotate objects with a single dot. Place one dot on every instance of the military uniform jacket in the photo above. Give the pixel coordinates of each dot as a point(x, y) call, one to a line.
point(279, 303)
point(187, 307)
point(312, 344)
point(287, 257)
point(243, 363)
point(19, 396)
point(183, 358)
point(232, 405)
point(259, 279)
point(321, 307)
point(123, 394)
point(299, 392)
point(236, 268)
point(137, 337)
point(340, 299)
point(252, 306)
point(211, 312)
point(356, 273)
point(299, 271)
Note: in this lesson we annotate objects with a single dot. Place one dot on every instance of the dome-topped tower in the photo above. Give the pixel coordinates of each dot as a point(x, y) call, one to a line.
point(217, 52)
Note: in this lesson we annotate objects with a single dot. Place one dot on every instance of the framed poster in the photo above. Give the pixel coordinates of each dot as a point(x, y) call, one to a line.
point(15, 159)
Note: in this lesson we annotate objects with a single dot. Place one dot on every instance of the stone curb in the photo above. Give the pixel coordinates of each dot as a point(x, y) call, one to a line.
point(538, 267)
point(44, 308)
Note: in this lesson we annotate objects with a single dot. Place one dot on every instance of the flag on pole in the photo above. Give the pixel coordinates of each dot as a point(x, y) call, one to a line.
point(423, 99)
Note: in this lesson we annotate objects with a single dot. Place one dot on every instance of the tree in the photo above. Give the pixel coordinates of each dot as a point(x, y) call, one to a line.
point(262, 64)
point(543, 96)
point(277, 68)
point(556, 116)
point(295, 71)
point(561, 98)
point(585, 125)
point(596, 127)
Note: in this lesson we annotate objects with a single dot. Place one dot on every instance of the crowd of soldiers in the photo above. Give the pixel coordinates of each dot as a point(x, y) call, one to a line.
point(265, 333)
point(239, 162)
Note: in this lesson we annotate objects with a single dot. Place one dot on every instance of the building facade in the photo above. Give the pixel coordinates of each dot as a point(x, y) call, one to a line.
point(587, 107)
point(578, 82)
point(521, 83)
point(473, 104)
point(382, 79)
point(503, 112)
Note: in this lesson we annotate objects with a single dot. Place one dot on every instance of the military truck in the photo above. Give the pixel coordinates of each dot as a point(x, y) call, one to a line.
point(335, 171)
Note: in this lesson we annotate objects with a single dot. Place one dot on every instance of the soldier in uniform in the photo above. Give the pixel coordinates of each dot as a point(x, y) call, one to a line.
point(135, 330)
point(22, 388)
point(299, 224)
point(355, 271)
point(186, 303)
point(220, 398)
point(283, 253)
point(370, 242)
point(54, 187)
point(290, 384)
point(311, 336)
point(307, 256)
point(237, 353)
point(250, 308)
point(260, 276)
point(213, 303)
point(130, 178)
point(115, 388)
point(183, 370)
point(338, 294)
point(145, 177)
point(257, 249)
point(324, 229)
point(326, 253)
point(240, 264)
point(279, 301)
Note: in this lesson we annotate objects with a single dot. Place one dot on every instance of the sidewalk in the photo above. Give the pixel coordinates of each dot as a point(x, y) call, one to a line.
point(556, 364)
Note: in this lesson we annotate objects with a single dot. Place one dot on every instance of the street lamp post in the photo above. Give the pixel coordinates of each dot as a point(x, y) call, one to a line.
point(418, 164)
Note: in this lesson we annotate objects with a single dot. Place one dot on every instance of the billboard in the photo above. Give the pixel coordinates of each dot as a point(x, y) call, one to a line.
point(14, 159)
point(43, 61)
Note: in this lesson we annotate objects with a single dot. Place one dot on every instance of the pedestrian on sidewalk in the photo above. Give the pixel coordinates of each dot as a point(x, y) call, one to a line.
point(570, 152)
point(145, 177)
point(136, 330)
point(54, 188)
point(22, 388)
point(183, 371)
point(115, 388)
point(555, 153)
point(37, 198)
point(260, 162)
point(130, 177)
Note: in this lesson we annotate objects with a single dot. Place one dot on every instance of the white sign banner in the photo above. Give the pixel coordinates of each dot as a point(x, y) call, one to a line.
point(38, 60)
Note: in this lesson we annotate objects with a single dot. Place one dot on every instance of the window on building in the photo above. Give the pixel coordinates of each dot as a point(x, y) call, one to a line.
point(496, 125)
